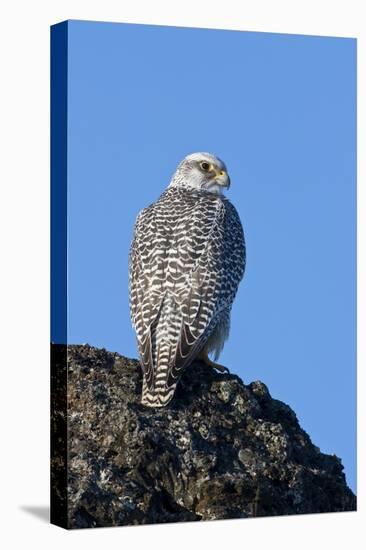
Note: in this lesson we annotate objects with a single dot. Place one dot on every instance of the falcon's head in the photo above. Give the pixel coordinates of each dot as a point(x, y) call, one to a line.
point(202, 171)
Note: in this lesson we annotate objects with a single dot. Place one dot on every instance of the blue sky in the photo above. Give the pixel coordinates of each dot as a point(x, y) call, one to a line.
point(280, 110)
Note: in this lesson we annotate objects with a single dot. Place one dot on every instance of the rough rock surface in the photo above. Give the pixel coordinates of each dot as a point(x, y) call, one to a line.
point(221, 449)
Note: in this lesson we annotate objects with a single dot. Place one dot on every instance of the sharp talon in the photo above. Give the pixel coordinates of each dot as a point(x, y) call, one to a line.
point(223, 369)
point(205, 358)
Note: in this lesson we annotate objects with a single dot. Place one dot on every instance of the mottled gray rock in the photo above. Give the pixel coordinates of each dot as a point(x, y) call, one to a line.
point(221, 449)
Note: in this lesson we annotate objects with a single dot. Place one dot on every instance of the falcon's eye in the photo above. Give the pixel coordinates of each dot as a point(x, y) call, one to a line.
point(205, 166)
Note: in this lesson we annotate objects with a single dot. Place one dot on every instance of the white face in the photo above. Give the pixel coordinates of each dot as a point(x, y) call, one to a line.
point(202, 171)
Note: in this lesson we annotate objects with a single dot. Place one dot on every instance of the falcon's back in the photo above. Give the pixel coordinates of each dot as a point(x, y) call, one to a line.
point(186, 260)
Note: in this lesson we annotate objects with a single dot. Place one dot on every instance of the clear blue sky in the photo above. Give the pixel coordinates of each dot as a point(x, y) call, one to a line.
point(280, 111)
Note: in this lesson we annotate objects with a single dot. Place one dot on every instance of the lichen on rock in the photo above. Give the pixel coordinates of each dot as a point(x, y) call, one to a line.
point(221, 449)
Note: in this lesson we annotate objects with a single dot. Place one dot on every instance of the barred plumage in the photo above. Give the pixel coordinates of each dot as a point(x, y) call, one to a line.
point(186, 260)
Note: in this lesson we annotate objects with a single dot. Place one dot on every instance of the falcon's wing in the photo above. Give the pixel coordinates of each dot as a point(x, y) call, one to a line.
point(144, 306)
point(211, 286)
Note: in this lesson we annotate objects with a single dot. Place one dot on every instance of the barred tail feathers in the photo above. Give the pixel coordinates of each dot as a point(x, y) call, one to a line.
point(158, 393)
point(156, 397)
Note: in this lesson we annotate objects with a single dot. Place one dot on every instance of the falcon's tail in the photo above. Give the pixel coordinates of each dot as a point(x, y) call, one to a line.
point(156, 397)
point(158, 393)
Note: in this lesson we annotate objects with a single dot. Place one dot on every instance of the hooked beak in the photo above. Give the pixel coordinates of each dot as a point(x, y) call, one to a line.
point(222, 178)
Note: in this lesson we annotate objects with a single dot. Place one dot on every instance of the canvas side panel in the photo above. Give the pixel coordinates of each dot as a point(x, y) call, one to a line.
point(59, 40)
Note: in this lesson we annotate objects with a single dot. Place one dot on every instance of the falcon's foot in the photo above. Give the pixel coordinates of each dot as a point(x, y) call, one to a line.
point(203, 356)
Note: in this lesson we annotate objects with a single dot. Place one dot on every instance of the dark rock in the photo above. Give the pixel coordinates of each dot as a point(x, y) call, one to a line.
point(219, 450)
